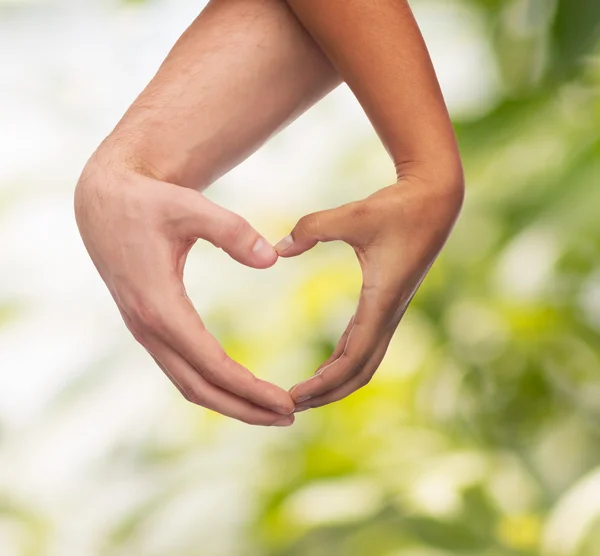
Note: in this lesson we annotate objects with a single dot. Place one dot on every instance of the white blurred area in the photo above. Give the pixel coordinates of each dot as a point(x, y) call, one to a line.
point(68, 70)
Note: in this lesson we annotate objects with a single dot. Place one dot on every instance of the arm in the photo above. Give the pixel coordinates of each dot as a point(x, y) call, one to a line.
point(398, 232)
point(239, 74)
point(242, 71)
point(378, 50)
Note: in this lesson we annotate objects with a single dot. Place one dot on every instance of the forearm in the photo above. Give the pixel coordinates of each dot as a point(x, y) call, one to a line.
point(240, 73)
point(378, 50)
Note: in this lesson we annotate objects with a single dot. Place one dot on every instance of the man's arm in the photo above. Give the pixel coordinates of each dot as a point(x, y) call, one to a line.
point(239, 74)
point(398, 232)
point(242, 71)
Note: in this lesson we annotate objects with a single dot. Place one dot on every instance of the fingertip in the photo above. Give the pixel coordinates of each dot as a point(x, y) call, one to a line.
point(298, 397)
point(263, 254)
point(284, 245)
point(284, 421)
point(286, 408)
point(290, 247)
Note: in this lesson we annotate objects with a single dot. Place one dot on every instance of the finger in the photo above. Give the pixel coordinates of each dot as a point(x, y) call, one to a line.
point(371, 322)
point(350, 386)
point(326, 225)
point(339, 348)
point(175, 322)
point(225, 229)
point(197, 390)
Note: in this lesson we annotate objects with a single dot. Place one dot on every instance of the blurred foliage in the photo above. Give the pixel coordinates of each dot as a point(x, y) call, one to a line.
point(484, 419)
point(480, 434)
point(486, 411)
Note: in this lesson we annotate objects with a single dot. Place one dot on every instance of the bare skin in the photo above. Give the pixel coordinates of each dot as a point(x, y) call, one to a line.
point(242, 72)
point(398, 232)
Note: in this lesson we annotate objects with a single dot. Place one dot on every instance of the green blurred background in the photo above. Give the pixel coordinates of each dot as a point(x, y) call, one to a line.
point(480, 433)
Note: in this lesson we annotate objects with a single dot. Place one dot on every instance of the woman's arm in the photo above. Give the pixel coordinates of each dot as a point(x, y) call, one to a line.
point(378, 50)
point(398, 232)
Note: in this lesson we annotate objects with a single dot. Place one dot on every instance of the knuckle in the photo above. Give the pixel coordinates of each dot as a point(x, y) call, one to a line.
point(147, 317)
point(208, 374)
point(192, 394)
point(210, 371)
point(364, 380)
point(184, 392)
point(355, 362)
point(138, 333)
point(360, 211)
point(346, 358)
point(234, 230)
point(321, 379)
point(250, 420)
point(308, 225)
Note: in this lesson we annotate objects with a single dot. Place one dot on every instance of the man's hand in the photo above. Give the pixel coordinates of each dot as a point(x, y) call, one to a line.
point(243, 70)
point(138, 231)
point(397, 234)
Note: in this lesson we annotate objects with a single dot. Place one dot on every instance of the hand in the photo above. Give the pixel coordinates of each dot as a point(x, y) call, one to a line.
point(397, 234)
point(138, 232)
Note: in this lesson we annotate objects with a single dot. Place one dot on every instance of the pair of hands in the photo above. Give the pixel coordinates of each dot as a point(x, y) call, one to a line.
point(138, 231)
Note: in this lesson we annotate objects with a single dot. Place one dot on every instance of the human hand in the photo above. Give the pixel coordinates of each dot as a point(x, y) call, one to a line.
point(397, 234)
point(138, 232)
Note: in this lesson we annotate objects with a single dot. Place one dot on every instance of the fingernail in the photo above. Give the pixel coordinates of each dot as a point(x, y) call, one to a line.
point(300, 409)
point(284, 410)
point(261, 245)
point(283, 422)
point(302, 399)
point(284, 244)
point(262, 248)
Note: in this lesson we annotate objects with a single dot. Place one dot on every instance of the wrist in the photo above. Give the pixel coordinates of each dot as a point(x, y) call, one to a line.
point(143, 151)
point(126, 151)
point(444, 174)
point(441, 186)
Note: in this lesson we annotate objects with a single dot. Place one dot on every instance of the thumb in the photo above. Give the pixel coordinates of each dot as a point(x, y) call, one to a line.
point(230, 232)
point(326, 225)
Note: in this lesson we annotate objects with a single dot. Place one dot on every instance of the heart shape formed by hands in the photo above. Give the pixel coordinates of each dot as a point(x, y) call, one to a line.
point(396, 233)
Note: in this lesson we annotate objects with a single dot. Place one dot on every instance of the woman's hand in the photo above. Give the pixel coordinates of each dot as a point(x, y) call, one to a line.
point(397, 234)
point(138, 232)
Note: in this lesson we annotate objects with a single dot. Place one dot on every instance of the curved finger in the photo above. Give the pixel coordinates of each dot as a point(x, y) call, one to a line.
point(199, 391)
point(326, 225)
point(371, 322)
point(225, 229)
point(339, 348)
point(175, 321)
point(350, 386)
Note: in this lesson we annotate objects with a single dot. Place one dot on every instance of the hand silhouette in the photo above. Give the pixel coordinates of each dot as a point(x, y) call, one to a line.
point(138, 232)
point(397, 234)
